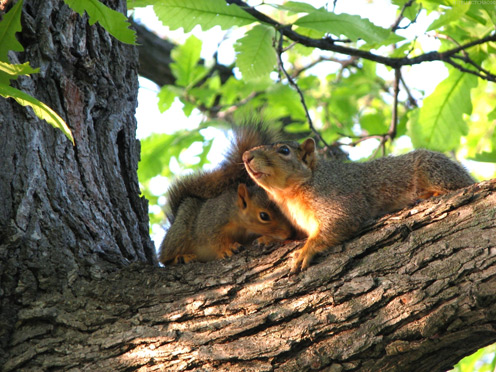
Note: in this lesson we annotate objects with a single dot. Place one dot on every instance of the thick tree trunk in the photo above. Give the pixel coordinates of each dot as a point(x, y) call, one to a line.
point(415, 292)
point(69, 214)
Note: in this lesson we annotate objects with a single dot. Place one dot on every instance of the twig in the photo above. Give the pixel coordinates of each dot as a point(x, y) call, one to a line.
point(411, 99)
point(325, 44)
point(344, 63)
point(466, 58)
point(489, 77)
point(396, 23)
point(233, 106)
point(297, 88)
point(391, 134)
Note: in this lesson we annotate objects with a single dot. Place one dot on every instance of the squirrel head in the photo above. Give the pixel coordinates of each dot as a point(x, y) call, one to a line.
point(259, 215)
point(281, 166)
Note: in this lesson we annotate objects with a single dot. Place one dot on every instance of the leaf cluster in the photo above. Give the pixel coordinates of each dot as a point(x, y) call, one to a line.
point(350, 100)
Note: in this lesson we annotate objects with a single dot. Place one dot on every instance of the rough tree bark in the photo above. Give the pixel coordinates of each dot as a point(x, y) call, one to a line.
point(415, 292)
point(79, 285)
point(69, 214)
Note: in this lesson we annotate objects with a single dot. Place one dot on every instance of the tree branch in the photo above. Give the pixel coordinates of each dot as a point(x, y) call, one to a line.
point(155, 58)
point(413, 292)
point(330, 45)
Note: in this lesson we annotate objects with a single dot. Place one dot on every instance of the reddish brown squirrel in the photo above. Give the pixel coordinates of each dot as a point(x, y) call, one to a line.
point(207, 229)
point(212, 213)
point(331, 200)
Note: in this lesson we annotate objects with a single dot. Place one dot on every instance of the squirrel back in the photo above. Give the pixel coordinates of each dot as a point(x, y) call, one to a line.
point(331, 200)
point(207, 184)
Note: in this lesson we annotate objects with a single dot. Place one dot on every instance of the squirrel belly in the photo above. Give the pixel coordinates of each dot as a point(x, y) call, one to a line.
point(331, 200)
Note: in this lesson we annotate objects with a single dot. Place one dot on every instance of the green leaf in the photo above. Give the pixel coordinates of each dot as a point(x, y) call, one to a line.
point(10, 72)
point(352, 26)
point(131, 4)
point(158, 149)
point(492, 115)
point(488, 157)
point(185, 67)
point(295, 7)
point(450, 15)
point(166, 97)
point(233, 90)
point(374, 123)
point(9, 26)
point(439, 124)
point(40, 109)
point(188, 107)
point(256, 56)
point(111, 20)
point(285, 101)
point(411, 11)
point(17, 70)
point(206, 13)
point(203, 96)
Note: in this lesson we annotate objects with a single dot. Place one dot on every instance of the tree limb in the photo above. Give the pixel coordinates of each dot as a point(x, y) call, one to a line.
point(413, 292)
point(330, 45)
point(155, 58)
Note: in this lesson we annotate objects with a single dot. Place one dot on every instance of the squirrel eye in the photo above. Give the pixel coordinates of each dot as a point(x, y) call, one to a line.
point(284, 150)
point(264, 216)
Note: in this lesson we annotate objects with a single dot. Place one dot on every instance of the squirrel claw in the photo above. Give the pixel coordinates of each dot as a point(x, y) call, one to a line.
point(233, 249)
point(301, 262)
point(238, 248)
point(263, 241)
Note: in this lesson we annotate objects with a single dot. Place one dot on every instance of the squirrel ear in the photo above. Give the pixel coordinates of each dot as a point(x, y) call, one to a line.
point(309, 156)
point(243, 196)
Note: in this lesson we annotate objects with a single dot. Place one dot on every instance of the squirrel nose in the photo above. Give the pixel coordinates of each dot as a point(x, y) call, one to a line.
point(247, 157)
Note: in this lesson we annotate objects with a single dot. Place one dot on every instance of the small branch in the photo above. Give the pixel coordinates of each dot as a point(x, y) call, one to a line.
point(297, 88)
point(391, 133)
point(359, 139)
point(396, 23)
point(330, 45)
point(483, 74)
point(344, 63)
point(394, 120)
point(411, 98)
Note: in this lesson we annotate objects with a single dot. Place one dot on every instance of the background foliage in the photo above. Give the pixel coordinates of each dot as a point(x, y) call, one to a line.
point(367, 106)
point(358, 85)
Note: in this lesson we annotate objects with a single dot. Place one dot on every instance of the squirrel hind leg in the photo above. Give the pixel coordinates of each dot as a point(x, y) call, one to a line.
point(437, 175)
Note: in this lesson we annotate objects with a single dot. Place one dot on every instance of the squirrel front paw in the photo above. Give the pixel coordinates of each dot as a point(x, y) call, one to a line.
point(301, 261)
point(184, 258)
point(231, 249)
point(263, 241)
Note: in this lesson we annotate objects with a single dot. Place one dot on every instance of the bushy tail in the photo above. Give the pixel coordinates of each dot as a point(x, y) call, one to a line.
point(230, 172)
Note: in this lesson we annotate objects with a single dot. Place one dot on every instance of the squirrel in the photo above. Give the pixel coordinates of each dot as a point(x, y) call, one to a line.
point(207, 184)
point(211, 213)
point(207, 229)
point(331, 200)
